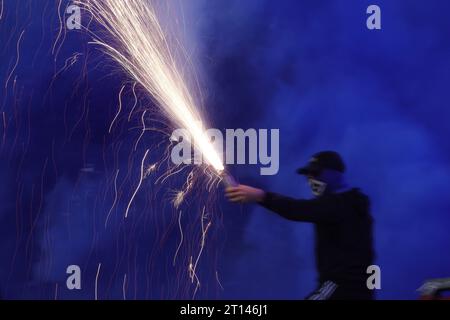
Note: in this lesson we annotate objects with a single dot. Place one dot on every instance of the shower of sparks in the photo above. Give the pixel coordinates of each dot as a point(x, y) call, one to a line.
point(139, 184)
point(140, 46)
point(157, 65)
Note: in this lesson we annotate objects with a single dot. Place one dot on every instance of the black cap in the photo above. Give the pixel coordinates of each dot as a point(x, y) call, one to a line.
point(323, 160)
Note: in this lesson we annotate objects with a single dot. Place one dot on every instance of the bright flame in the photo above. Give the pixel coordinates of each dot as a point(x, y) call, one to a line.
point(141, 48)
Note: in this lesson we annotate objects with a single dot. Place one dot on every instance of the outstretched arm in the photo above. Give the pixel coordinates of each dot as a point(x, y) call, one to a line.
point(314, 210)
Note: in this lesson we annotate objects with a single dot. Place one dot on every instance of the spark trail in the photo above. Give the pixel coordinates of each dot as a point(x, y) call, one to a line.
point(96, 281)
point(17, 59)
point(139, 184)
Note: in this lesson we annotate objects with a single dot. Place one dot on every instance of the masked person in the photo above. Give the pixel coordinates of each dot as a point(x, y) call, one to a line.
point(343, 226)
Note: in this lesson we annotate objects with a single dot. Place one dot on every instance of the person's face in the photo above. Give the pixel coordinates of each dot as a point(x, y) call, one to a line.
point(317, 186)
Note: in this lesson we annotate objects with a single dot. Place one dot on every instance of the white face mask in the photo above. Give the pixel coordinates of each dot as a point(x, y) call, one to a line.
point(317, 187)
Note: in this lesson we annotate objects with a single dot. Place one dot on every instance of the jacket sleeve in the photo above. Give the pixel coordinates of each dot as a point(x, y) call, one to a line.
point(320, 210)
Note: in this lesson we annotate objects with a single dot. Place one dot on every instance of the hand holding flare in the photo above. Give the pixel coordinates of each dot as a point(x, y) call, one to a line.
point(243, 193)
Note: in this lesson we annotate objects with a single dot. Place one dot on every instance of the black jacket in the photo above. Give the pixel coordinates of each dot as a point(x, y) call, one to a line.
point(344, 245)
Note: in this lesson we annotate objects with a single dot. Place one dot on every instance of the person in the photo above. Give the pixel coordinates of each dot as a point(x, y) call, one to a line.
point(343, 226)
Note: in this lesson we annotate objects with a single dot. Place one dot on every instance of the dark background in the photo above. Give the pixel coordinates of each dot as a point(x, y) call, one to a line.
point(310, 68)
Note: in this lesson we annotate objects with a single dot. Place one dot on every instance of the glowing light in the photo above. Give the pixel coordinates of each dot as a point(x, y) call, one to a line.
point(141, 47)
